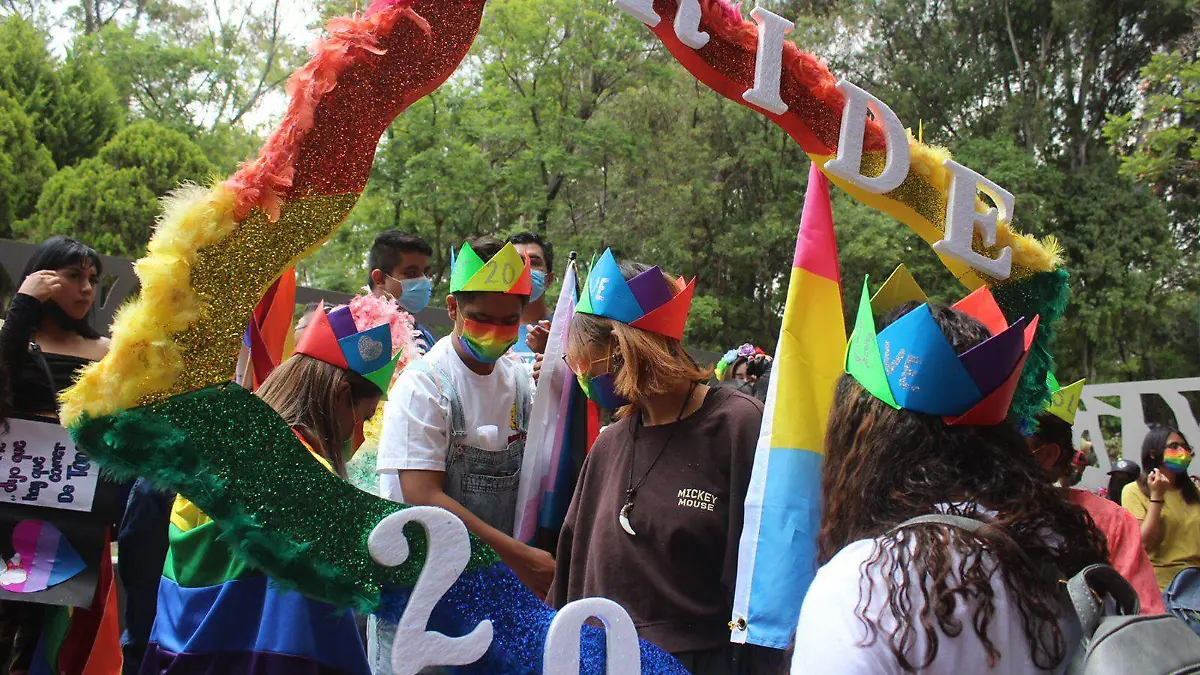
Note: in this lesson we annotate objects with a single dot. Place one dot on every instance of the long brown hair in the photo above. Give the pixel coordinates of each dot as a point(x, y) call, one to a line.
point(645, 364)
point(304, 392)
point(884, 466)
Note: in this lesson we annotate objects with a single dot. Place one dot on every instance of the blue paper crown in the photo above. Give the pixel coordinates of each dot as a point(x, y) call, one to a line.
point(647, 301)
point(911, 365)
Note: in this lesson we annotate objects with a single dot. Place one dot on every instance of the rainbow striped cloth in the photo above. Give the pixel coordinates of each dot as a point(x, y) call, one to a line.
point(777, 558)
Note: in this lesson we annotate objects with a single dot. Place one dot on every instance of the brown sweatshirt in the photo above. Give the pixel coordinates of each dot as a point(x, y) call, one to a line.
point(676, 577)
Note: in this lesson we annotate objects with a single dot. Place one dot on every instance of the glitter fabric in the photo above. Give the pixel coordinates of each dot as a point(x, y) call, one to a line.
point(232, 455)
point(813, 119)
point(520, 621)
point(230, 276)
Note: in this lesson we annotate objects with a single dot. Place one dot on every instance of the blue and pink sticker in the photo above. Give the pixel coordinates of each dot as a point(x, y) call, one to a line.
point(43, 559)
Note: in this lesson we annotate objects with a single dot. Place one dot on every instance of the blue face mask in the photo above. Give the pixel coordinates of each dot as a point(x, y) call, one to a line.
point(415, 294)
point(538, 278)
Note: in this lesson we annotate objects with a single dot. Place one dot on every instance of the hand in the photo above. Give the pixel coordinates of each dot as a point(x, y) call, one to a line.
point(533, 566)
point(1158, 482)
point(538, 336)
point(537, 367)
point(42, 285)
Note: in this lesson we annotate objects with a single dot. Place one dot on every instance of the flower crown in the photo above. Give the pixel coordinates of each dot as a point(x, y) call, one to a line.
point(910, 365)
point(646, 301)
point(335, 339)
point(745, 351)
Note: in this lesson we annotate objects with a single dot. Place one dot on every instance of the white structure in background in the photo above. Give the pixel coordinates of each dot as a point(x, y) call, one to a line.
point(1133, 419)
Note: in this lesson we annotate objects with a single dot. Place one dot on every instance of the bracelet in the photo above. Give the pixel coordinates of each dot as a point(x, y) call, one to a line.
point(1158, 501)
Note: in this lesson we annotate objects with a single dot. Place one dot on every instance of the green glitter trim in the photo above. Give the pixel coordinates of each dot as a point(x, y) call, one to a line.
point(1045, 295)
point(230, 454)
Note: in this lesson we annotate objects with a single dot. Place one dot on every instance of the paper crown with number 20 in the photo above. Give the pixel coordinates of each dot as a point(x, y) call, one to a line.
point(507, 272)
point(910, 365)
point(334, 339)
point(647, 301)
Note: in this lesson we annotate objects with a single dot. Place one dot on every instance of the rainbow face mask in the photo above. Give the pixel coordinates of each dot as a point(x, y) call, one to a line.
point(487, 342)
point(1177, 460)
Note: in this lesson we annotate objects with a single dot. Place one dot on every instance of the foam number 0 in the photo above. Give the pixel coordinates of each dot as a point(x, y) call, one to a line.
point(623, 652)
point(449, 551)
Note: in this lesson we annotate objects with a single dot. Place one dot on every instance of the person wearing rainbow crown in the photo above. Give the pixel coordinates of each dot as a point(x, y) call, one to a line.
point(216, 613)
point(454, 427)
point(934, 507)
point(657, 512)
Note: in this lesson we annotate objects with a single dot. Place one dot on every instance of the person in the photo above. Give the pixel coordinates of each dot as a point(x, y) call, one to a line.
point(1053, 447)
point(47, 336)
point(656, 516)
point(933, 598)
point(1167, 503)
point(1123, 473)
point(46, 339)
point(455, 424)
point(216, 612)
point(535, 325)
point(398, 265)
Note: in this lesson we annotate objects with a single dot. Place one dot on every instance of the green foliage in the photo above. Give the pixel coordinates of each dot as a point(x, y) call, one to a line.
point(73, 105)
point(111, 200)
point(25, 164)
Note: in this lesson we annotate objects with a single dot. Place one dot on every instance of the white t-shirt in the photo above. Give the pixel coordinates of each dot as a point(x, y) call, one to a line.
point(417, 422)
point(830, 636)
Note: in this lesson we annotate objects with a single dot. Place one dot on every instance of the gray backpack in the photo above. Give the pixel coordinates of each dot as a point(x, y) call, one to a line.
point(1117, 640)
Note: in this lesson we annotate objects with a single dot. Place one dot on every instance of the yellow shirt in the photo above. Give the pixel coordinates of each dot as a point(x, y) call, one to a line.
point(1180, 546)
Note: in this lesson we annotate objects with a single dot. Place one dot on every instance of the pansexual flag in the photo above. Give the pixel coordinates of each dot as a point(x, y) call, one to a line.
point(777, 558)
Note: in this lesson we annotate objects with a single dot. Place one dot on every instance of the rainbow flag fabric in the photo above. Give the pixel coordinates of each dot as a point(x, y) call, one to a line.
point(777, 558)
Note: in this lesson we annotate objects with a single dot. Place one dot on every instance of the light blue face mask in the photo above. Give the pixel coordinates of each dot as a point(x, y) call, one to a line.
point(415, 294)
point(538, 279)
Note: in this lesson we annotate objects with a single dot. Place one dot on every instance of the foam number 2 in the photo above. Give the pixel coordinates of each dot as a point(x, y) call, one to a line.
point(449, 551)
point(623, 652)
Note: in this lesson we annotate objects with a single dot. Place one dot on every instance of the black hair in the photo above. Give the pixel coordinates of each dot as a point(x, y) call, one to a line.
point(486, 248)
point(1053, 429)
point(387, 249)
point(1153, 447)
point(534, 238)
point(54, 254)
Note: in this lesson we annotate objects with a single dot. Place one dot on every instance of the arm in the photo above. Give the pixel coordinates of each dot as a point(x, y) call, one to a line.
point(1129, 558)
point(1152, 520)
point(534, 567)
point(24, 315)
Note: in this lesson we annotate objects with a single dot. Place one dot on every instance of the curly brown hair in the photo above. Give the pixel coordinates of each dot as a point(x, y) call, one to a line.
point(884, 466)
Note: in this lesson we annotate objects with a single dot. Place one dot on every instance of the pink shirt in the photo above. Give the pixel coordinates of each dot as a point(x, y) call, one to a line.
point(1125, 551)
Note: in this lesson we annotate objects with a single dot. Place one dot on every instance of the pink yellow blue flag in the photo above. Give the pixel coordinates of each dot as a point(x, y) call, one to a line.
point(777, 558)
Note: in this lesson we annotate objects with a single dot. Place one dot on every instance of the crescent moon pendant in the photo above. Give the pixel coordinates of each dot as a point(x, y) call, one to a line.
point(623, 519)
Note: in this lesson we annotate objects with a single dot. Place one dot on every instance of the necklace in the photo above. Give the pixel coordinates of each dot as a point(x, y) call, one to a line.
point(631, 490)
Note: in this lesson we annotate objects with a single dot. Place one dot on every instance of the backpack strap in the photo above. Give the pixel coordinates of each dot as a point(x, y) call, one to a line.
point(1093, 583)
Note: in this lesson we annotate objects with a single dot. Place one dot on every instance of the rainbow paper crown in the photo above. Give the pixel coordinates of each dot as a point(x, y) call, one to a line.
point(910, 365)
point(647, 301)
point(334, 339)
point(507, 272)
point(1064, 401)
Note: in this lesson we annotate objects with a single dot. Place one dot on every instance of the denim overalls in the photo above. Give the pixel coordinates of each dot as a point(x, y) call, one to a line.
point(483, 481)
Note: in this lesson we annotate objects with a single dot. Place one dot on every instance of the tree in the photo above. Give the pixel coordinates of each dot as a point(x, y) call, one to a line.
point(73, 105)
point(25, 164)
point(111, 200)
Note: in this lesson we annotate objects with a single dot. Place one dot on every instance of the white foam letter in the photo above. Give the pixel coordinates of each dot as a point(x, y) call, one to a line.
point(768, 63)
point(623, 655)
point(962, 220)
point(687, 24)
point(642, 10)
point(848, 163)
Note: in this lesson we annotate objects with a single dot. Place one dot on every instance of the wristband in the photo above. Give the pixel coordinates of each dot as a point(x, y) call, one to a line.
point(1158, 501)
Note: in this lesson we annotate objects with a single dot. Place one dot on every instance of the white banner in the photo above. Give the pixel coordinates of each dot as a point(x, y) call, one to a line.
point(39, 466)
